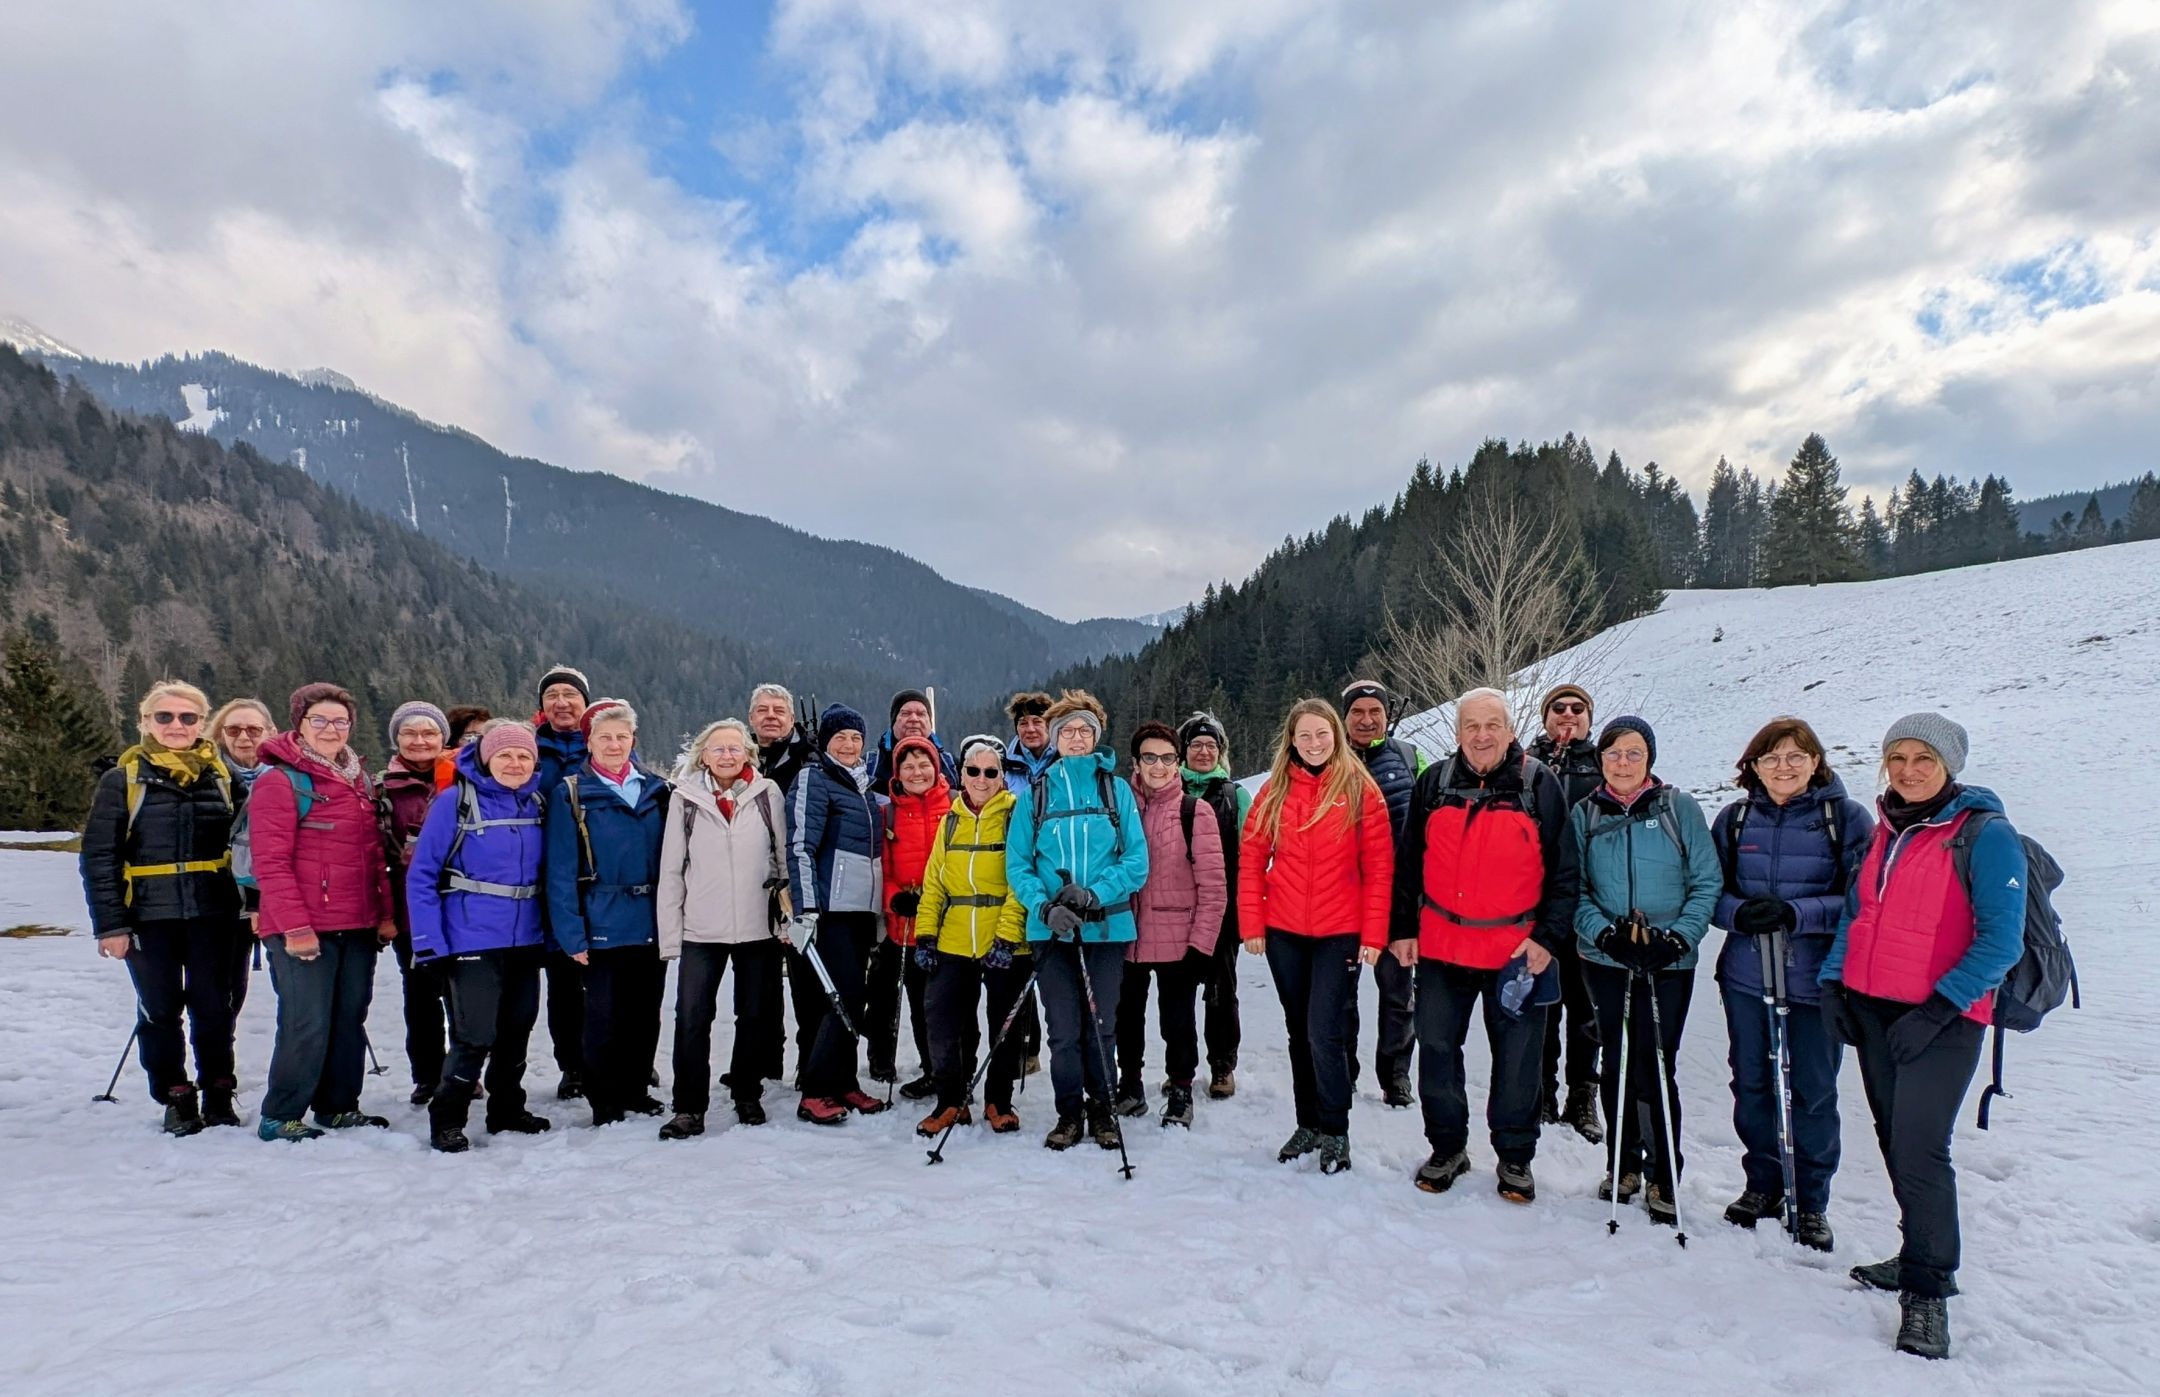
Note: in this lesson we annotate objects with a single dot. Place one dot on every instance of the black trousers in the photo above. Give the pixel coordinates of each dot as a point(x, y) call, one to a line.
point(247, 959)
point(565, 1012)
point(891, 965)
point(808, 997)
point(1177, 984)
point(183, 974)
point(956, 1037)
point(494, 1003)
point(623, 989)
point(427, 1012)
point(1915, 1105)
point(1571, 1032)
point(1083, 1053)
point(1447, 996)
point(1397, 1034)
point(1757, 1110)
point(1224, 1033)
point(1642, 1123)
point(320, 1056)
point(843, 945)
point(1314, 977)
point(697, 996)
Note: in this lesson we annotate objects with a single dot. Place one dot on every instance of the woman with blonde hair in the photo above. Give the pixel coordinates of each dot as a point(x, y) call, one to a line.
point(157, 873)
point(1317, 869)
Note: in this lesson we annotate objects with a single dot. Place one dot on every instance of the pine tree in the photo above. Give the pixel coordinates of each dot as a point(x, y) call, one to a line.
point(2144, 521)
point(1811, 528)
point(53, 728)
point(1872, 539)
point(2092, 525)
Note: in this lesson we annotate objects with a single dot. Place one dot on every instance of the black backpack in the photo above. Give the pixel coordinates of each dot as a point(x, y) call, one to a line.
point(2044, 975)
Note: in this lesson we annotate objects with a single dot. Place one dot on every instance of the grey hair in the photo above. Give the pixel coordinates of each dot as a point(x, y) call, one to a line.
point(619, 712)
point(692, 755)
point(1486, 692)
point(778, 691)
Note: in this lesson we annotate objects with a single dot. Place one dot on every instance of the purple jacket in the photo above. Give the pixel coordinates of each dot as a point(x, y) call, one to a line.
point(1180, 906)
point(1784, 852)
point(454, 922)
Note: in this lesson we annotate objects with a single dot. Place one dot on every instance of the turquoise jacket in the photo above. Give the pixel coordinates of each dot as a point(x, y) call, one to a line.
point(1075, 833)
point(1655, 857)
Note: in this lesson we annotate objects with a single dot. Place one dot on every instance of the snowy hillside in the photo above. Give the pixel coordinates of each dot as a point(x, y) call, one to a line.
point(795, 1260)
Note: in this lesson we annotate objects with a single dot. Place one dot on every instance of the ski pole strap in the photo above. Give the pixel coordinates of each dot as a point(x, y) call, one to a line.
point(1995, 1087)
point(1433, 904)
point(129, 872)
point(516, 892)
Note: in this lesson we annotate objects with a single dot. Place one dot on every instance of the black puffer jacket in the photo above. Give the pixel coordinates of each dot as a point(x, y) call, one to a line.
point(1576, 765)
point(178, 823)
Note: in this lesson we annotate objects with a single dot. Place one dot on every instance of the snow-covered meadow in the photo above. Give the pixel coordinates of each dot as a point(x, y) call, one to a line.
point(791, 1259)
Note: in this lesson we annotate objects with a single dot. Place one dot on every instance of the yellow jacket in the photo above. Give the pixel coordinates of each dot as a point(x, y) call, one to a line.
point(966, 902)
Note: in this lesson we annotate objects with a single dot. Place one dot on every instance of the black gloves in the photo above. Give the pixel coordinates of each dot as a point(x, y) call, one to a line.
point(1642, 949)
point(1920, 1026)
point(1665, 948)
point(1837, 1015)
point(1760, 916)
point(905, 902)
point(1079, 899)
point(1064, 923)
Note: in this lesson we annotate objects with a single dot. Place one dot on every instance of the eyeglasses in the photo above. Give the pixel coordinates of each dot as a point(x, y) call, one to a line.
point(985, 772)
point(1568, 708)
point(1200, 742)
point(1629, 758)
point(245, 730)
point(329, 724)
point(1771, 760)
point(732, 749)
point(1157, 759)
point(185, 720)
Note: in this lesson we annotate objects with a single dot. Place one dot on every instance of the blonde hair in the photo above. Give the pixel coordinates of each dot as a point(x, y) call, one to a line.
point(1344, 779)
point(692, 755)
point(232, 706)
point(178, 688)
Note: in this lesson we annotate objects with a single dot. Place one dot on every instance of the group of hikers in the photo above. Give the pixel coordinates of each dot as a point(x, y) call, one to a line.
point(1012, 896)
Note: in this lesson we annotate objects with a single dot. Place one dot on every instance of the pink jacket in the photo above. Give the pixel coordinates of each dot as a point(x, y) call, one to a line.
point(1914, 924)
point(1180, 907)
point(327, 872)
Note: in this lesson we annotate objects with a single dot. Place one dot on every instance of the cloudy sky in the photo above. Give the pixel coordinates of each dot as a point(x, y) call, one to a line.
point(1094, 302)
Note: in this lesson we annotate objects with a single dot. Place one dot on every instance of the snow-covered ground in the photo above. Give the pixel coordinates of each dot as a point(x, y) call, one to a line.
point(798, 1260)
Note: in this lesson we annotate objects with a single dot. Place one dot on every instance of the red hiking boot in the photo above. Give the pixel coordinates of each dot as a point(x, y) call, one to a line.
point(821, 1110)
point(863, 1103)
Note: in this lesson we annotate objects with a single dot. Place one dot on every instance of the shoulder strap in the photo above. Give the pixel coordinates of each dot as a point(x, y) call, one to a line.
point(1837, 842)
point(303, 790)
point(591, 869)
point(1961, 844)
point(772, 834)
point(132, 773)
point(1106, 791)
point(1732, 844)
point(1186, 809)
point(952, 826)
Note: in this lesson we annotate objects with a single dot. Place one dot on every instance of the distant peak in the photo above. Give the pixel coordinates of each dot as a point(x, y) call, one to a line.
point(326, 378)
point(31, 340)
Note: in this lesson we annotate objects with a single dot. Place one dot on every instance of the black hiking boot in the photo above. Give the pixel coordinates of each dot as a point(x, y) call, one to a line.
point(1884, 1275)
point(1752, 1206)
point(1515, 1183)
point(882, 1071)
point(450, 1139)
point(182, 1116)
point(750, 1111)
point(1549, 1106)
point(217, 1106)
point(1177, 1105)
point(1581, 1113)
point(683, 1125)
point(1813, 1230)
point(523, 1123)
point(1303, 1141)
point(1334, 1153)
point(1437, 1175)
point(422, 1093)
point(570, 1088)
point(1065, 1134)
point(1923, 1325)
point(1131, 1099)
point(446, 1118)
point(921, 1089)
point(1396, 1092)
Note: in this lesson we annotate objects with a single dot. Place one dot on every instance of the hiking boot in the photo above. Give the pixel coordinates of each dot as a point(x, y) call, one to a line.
point(883, 1072)
point(862, 1103)
point(944, 1118)
point(182, 1118)
point(750, 1112)
point(449, 1139)
point(1752, 1206)
point(682, 1125)
point(1437, 1175)
point(1884, 1275)
point(570, 1088)
point(217, 1106)
point(422, 1093)
point(1065, 1134)
point(1396, 1091)
point(1581, 1113)
point(268, 1129)
point(1813, 1230)
point(1923, 1325)
point(1515, 1183)
point(1303, 1141)
point(607, 1115)
point(921, 1089)
point(1102, 1125)
point(1222, 1086)
point(1000, 1119)
point(1131, 1100)
point(1334, 1153)
point(1661, 1206)
point(1177, 1105)
point(1630, 1185)
point(821, 1110)
point(645, 1105)
point(1548, 1111)
point(350, 1120)
point(523, 1123)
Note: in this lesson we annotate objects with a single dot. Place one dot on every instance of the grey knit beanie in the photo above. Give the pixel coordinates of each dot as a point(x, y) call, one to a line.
point(1946, 737)
point(420, 709)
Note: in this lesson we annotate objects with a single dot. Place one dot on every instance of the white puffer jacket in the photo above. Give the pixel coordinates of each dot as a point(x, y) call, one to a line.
point(712, 880)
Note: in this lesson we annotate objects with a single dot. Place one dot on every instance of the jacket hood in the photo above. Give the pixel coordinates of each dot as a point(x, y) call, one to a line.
point(1087, 766)
point(1967, 798)
point(1003, 800)
point(469, 767)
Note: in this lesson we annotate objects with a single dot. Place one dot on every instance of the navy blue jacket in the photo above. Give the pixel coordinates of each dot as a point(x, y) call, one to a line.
point(1784, 852)
point(617, 906)
point(560, 754)
point(834, 826)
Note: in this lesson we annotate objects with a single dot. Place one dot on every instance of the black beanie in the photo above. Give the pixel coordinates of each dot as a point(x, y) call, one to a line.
point(1628, 722)
point(905, 696)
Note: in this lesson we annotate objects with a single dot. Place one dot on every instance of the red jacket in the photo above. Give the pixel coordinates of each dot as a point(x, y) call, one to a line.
point(324, 873)
point(1915, 923)
point(911, 827)
point(1180, 907)
point(1319, 879)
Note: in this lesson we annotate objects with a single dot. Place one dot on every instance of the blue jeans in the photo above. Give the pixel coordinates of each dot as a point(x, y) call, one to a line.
point(1813, 1078)
point(320, 1055)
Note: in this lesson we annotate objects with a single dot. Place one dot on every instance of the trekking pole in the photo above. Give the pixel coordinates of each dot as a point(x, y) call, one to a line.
point(899, 1006)
point(937, 1155)
point(1102, 1051)
point(1032, 997)
point(1771, 949)
point(1672, 1152)
point(375, 1069)
point(133, 1034)
point(832, 993)
point(1627, 1007)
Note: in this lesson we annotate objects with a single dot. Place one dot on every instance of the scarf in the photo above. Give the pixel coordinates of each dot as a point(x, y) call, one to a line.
point(184, 764)
point(1901, 814)
point(345, 766)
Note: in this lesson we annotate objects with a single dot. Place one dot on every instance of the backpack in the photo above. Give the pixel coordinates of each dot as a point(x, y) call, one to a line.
point(243, 844)
point(2044, 975)
point(1731, 850)
point(452, 879)
point(777, 910)
point(588, 870)
point(1039, 793)
point(132, 774)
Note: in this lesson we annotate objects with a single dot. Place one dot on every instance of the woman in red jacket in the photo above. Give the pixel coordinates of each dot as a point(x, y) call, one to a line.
point(326, 911)
point(1315, 869)
point(919, 796)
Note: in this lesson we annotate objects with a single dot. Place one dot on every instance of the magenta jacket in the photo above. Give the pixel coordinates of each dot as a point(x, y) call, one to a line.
point(1180, 906)
point(327, 872)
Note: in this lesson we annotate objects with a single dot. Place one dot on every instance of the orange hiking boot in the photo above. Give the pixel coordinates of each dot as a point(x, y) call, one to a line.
point(1000, 1119)
point(943, 1119)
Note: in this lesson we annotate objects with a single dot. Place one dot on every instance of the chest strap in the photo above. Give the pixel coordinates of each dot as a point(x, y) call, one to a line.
point(131, 871)
point(1475, 923)
point(516, 892)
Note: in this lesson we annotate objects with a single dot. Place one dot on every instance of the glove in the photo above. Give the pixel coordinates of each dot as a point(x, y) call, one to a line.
point(1084, 901)
point(1665, 948)
point(1760, 916)
point(1920, 1026)
point(999, 956)
point(926, 956)
point(1064, 923)
point(1837, 1015)
point(905, 902)
point(1617, 946)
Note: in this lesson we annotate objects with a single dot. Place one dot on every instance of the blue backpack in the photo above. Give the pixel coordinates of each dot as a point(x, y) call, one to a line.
point(243, 848)
point(2044, 975)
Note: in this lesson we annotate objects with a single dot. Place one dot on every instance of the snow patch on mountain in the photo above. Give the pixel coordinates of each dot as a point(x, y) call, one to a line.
point(201, 416)
point(31, 340)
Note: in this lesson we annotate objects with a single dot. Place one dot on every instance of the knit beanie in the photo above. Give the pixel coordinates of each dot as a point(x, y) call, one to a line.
point(563, 674)
point(418, 708)
point(901, 699)
point(1560, 691)
point(1077, 706)
point(1946, 737)
point(838, 718)
point(1363, 689)
point(501, 735)
point(308, 695)
point(601, 708)
point(1201, 724)
point(1626, 723)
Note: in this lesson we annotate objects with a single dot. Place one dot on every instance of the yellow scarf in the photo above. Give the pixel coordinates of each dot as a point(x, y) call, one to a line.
point(185, 764)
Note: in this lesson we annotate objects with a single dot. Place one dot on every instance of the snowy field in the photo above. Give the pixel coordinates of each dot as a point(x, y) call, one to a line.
point(798, 1260)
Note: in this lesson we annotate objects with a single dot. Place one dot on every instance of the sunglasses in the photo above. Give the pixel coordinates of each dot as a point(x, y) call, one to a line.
point(1567, 708)
point(245, 730)
point(185, 720)
point(985, 772)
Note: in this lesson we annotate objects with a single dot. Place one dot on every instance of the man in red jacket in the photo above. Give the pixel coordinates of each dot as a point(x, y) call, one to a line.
point(1485, 885)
